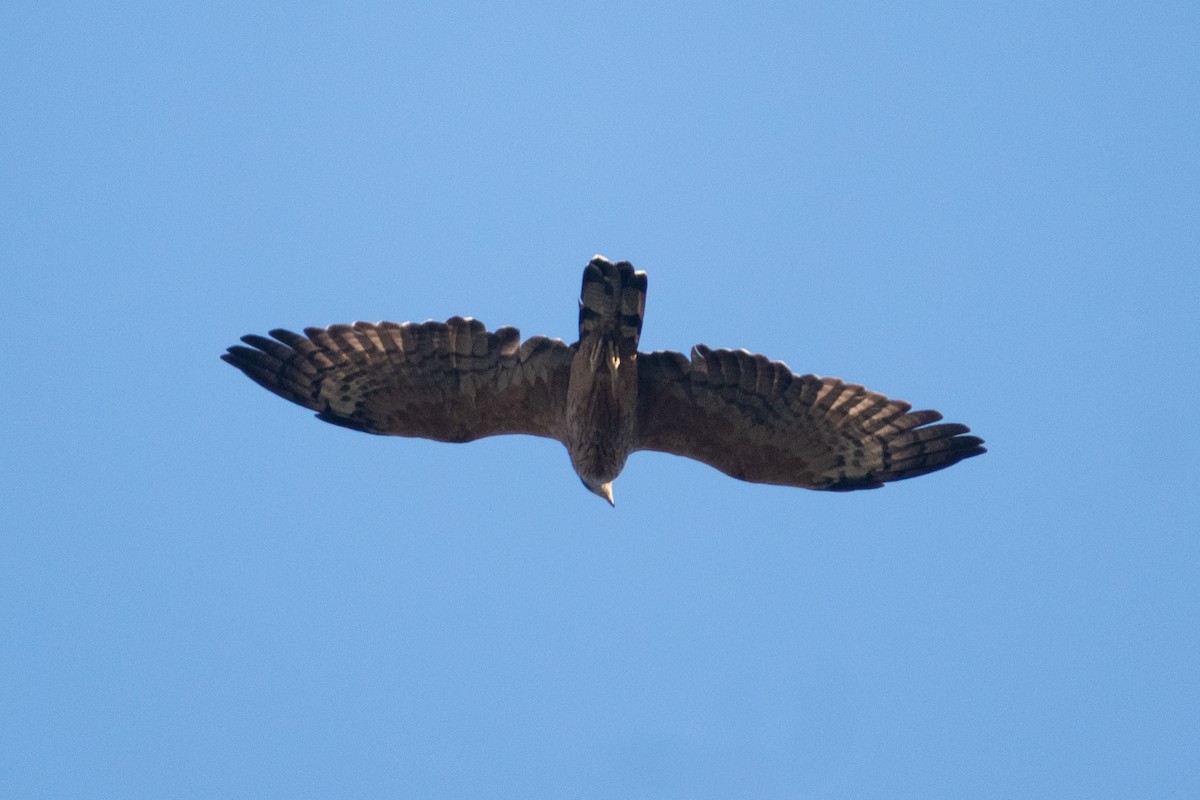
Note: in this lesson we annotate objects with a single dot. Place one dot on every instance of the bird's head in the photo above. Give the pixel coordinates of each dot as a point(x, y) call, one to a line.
point(602, 489)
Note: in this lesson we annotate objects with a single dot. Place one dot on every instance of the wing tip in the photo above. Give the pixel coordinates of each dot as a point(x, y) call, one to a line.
point(955, 449)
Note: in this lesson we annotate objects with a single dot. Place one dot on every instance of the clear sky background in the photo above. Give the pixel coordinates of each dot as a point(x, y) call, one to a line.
point(988, 209)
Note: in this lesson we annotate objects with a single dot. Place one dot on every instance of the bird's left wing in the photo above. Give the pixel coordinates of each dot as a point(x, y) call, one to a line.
point(453, 381)
point(753, 419)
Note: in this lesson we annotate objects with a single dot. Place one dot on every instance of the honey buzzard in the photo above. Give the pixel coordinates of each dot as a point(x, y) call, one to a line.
point(749, 417)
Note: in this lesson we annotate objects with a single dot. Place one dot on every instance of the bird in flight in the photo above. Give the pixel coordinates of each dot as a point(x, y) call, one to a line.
point(747, 416)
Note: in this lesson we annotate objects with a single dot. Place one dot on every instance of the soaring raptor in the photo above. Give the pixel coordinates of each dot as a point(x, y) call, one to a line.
point(749, 417)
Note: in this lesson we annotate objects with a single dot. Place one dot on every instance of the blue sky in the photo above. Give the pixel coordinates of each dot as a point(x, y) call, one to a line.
point(985, 209)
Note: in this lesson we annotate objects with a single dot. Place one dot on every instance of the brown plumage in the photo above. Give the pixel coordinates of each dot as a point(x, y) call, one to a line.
point(747, 416)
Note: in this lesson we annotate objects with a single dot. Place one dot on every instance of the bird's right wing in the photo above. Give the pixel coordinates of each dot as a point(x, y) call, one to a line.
point(451, 381)
point(753, 419)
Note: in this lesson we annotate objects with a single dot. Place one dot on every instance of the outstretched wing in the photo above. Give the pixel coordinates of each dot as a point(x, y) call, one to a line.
point(451, 381)
point(753, 419)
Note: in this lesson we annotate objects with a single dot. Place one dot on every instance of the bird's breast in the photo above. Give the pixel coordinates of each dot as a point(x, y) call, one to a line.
point(601, 415)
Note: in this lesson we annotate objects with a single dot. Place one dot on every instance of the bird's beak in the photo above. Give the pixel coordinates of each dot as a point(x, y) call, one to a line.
point(606, 493)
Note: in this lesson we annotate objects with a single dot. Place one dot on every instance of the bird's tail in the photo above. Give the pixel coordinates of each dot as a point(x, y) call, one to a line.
point(611, 304)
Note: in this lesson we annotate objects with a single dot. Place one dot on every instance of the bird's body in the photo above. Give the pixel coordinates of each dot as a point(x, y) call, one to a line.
point(601, 422)
point(748, 417)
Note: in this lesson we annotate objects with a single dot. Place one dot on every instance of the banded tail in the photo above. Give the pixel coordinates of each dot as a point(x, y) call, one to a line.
point(611, 304)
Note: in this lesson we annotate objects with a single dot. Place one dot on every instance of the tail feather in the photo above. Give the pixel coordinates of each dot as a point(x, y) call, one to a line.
point(611, 303)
